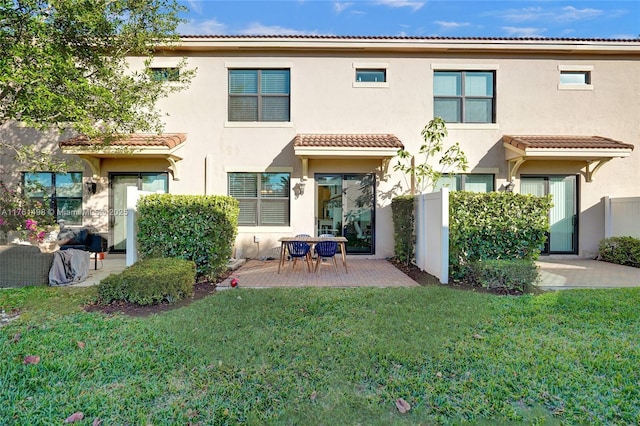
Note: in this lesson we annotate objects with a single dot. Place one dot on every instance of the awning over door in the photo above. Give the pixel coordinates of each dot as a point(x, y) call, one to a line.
point(132, 146)
point(594, 151)
point(345, 146)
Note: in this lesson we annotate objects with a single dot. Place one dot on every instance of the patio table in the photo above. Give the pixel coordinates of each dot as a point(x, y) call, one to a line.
point(312, 241)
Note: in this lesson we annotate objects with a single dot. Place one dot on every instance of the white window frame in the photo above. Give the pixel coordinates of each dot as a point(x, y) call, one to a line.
point(229, 65)
point(587, 69)
point(371, 66)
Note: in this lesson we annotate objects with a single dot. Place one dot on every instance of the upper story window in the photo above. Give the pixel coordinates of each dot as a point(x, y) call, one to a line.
point(364, 75)
point(264, 198)
point(467, 182)
point(575, 77)
point(165, 73)
point(464, 96)
point(259, 94)
point(61, 193)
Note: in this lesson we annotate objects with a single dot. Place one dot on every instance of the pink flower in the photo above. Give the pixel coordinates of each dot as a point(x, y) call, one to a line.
point(31, 225)
point(2, 221)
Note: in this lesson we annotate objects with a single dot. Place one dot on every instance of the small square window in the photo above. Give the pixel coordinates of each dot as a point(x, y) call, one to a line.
point(575, 77)
point(165, 74)
point(371, 75)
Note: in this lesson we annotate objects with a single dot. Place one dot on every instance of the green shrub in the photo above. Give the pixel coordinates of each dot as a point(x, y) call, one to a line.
point(194, 227)
point(508, 275)
point(402, 209)
point(150, 281)
point(621, 250)
point(495, 225)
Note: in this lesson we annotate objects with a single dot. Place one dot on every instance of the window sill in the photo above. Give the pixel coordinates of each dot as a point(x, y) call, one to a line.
point(472, 126)
point(258, 124)
point(375, 85)
point(583, 87)
point(263, 228)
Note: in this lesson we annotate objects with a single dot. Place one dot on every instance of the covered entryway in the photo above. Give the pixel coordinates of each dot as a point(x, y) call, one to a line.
point(346, 207)
point(345, 182)
point(563, 216)
point(118, 183)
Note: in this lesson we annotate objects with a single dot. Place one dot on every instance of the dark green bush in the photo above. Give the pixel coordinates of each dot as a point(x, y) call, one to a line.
point(402, 209)
point(621, 250)
point(507, 275)
point(150, 281)
point(194, 227)
point(495, 225)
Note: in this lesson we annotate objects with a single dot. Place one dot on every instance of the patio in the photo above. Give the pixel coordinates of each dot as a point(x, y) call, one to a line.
point(362, 273)
point(555, 274)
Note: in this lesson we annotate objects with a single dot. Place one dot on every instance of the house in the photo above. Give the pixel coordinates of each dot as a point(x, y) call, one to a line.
point(303, 130)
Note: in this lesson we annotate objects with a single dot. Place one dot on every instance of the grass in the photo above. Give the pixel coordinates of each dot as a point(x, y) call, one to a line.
point(326, 356)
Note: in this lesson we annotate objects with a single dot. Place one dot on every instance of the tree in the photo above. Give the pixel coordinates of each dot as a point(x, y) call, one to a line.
point(63, 64)
point(425, 175)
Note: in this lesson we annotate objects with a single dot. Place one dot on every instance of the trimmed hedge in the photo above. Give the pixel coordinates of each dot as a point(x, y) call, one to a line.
point(402, 209)
point(620, 250)
point(495, 225)
point(509, 275)
point(200, 228)
point(150, 281)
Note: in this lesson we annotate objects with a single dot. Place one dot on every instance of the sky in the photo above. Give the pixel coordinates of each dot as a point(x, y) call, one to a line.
point(414, 18)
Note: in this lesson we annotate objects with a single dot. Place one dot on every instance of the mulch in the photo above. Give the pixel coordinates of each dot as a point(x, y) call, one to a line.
point(203, 289)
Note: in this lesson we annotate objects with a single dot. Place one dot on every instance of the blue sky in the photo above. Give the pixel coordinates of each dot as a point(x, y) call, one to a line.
point(446, 18)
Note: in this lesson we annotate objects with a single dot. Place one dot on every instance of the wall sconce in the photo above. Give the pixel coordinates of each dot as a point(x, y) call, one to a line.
point(509, 187)
point(91, 187)
point(298, 188)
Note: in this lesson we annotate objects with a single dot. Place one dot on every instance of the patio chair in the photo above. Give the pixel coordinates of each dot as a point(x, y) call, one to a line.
point(299, 250)
point(326, 250)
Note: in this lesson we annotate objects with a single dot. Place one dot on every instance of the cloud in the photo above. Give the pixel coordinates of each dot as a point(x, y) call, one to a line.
point(339, 7)
point(257, 28)
point(415, 5)
point(195, 6)
point(570, 13)
point(450, 25)
point(206, 27)
point(531, 14)
point(524, 31)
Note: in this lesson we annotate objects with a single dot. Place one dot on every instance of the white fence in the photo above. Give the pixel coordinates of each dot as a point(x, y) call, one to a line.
point(432, 234)
point(133, 195)
point(621, 217)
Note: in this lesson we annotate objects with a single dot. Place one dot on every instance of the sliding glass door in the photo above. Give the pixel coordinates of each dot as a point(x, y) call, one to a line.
point(346, 206)
point(563, 216)
point(119, 182)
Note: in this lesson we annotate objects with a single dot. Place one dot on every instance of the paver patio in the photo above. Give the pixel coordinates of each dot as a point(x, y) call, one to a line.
point(555, 274)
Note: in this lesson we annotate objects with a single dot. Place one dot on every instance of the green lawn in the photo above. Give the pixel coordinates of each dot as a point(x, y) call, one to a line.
point(326, 356)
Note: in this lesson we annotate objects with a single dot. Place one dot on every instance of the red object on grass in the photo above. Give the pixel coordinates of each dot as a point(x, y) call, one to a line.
point(234, 282)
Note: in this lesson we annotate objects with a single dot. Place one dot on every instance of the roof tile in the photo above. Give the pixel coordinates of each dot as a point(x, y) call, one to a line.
point(348, 141)
point(169, 140)
point(564, 142)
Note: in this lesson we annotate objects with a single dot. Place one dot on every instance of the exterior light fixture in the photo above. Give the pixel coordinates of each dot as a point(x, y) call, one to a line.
point(91, 187)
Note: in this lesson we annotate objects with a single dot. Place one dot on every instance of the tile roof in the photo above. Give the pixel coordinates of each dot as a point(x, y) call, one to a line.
point(564, 142)
point(169, 140)
point(409, 38)
point(348, 141)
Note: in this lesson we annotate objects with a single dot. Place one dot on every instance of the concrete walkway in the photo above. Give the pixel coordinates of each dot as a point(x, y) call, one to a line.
point(562, 273)
point(555, 274)
point(112, 263)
